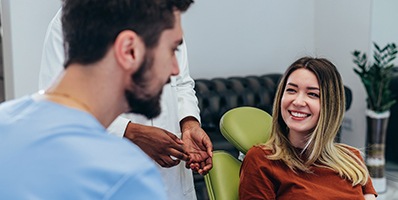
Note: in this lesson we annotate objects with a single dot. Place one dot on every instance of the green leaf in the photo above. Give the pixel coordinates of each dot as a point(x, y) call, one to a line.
point(376, 76)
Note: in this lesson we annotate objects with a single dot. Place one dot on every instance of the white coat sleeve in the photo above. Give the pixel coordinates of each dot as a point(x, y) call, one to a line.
point(53, 53)
point(187, 100)
point(52, 65)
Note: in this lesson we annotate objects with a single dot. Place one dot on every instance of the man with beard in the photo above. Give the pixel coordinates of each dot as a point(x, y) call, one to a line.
point(54, 144)
point(158, 137)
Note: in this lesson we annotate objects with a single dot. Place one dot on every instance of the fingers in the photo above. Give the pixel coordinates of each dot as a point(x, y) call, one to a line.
point(201, 167)
point(207, 167)
point(174, 137)
point(203, 171)
point(209, 146)
point(167, 162)
point(193, 166)
point(178, 154)
point(176, 148)
point(172, 156)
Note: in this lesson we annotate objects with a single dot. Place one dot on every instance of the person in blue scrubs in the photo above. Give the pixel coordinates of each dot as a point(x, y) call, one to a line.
point(54, 144)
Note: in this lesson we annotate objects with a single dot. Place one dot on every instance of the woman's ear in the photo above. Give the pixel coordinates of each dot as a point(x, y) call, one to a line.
point(129, 50)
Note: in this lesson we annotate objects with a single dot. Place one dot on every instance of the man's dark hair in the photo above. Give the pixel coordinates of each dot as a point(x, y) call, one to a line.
point(91, 26)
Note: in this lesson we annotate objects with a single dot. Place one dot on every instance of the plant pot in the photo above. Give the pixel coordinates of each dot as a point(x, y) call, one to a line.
point(375, 148)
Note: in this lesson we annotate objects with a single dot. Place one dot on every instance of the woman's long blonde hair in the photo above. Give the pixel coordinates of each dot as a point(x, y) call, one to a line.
point(321, 149)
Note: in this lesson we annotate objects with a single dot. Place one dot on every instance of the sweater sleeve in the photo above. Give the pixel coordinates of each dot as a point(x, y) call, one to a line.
point(368, 187)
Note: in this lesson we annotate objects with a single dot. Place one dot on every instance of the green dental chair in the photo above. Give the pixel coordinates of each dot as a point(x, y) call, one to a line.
point(243, 127)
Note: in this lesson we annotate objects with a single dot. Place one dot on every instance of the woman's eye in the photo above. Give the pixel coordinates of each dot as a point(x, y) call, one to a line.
point(313, 95)
point(290, 90)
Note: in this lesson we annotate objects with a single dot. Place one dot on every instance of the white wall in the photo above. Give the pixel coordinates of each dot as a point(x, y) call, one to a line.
point(231, 37)
point(24, 26)
point(234, 37)
point(228, 38)
point(341, 27)
point(384, 22)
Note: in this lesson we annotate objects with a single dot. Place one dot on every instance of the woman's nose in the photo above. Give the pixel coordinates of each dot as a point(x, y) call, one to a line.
point(299, 101)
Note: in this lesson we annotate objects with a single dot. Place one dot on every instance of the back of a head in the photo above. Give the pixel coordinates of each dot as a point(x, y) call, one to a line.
point(91, 26)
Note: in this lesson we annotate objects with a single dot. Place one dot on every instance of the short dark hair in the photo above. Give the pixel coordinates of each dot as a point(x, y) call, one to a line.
point(91, 26)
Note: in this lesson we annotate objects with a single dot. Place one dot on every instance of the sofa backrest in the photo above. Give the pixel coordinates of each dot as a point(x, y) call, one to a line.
point(218, 95)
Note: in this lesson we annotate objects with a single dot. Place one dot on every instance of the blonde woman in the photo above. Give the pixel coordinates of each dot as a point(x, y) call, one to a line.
point(301, 159)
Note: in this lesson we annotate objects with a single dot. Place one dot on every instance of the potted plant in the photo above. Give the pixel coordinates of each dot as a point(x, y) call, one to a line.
point(376, 77)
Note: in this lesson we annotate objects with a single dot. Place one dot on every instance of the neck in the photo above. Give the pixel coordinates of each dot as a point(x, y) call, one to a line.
point(298, 140)
point(68, 100)
point(88, 89)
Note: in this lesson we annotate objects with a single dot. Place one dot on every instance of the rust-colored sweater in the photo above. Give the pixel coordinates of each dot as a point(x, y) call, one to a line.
point(261, 178)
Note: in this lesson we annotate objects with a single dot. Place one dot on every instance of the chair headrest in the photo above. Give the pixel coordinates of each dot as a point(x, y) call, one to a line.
point(246, 126)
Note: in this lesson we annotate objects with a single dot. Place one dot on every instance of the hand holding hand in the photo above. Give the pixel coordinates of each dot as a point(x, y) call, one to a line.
point(198, 145)
point(157, 143)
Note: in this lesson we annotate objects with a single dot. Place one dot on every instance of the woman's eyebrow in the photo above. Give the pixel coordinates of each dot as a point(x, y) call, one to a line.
point(309, 88)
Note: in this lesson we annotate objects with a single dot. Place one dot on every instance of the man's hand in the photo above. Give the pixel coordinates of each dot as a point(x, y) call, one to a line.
point(198, 145)
point(157, 143)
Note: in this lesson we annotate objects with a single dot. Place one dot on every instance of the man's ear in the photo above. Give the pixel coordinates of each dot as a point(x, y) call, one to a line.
point(129, 50)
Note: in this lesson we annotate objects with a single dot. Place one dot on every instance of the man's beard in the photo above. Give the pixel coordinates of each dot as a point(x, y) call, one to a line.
point(140, 102)
point(150, 108)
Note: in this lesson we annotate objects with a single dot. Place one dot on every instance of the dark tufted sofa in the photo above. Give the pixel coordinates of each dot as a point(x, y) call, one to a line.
point(218, 95)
